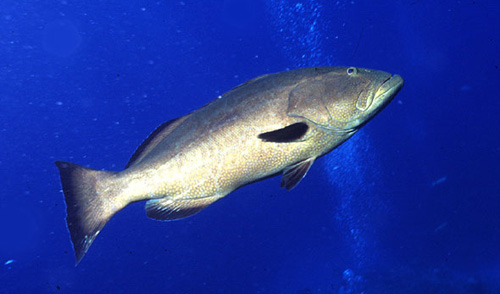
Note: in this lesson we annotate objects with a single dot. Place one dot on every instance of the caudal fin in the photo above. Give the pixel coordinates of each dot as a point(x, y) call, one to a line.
point(91, 200)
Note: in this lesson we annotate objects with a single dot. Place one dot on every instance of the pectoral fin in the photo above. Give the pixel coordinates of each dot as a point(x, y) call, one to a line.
point(292, 175)
point(287, 134)
point(167, 209)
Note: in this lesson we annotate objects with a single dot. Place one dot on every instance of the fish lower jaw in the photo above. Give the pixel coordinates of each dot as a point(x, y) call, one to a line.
point(347, 131)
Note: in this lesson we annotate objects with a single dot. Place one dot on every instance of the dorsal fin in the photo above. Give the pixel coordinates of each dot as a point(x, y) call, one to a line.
point(247, 83)
point(292, 175)
point(155, 138)
point(169, 209)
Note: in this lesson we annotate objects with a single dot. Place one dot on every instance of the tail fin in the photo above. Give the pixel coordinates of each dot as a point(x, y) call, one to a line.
point(91, 200)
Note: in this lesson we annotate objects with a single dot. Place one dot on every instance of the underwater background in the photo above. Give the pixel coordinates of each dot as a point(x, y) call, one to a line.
point(410, 204)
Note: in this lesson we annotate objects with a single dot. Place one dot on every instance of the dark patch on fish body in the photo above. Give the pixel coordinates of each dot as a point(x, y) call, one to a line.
point(287, 134)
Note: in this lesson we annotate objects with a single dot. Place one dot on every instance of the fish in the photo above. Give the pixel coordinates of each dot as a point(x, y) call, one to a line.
point(274, 124)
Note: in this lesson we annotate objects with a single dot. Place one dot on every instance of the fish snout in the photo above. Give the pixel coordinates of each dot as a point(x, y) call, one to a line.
point(388, 90)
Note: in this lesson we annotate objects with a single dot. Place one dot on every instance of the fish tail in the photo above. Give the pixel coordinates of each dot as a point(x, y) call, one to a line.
point(91, 200)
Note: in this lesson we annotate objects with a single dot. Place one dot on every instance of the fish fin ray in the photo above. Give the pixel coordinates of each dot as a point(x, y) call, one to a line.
point(249, 82)
point(88, 207)
point(166, 209)
point(291, 133)
point(293, 174)
point(155, 138)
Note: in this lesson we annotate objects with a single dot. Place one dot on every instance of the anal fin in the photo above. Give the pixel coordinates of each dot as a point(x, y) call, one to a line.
point(166, 209)
point(293, 174)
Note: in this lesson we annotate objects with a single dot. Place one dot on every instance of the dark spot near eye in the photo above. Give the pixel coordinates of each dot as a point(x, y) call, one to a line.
point(58, 288)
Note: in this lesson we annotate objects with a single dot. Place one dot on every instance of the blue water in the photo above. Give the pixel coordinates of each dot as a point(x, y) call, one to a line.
point(409, 205)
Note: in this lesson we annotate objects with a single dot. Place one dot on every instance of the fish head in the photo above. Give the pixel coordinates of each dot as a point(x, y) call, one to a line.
point(343, 99)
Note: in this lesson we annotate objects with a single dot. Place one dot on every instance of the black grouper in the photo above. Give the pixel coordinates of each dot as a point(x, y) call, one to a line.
point(276, 123)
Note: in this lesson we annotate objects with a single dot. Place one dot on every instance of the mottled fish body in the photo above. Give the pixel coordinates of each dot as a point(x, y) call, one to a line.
point(277, 123)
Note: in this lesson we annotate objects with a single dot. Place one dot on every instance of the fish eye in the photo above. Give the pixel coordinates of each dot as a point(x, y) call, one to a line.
point(352, 71)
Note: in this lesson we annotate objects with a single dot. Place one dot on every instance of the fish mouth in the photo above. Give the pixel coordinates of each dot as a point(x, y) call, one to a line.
point(387, 91)
point(383, 95)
